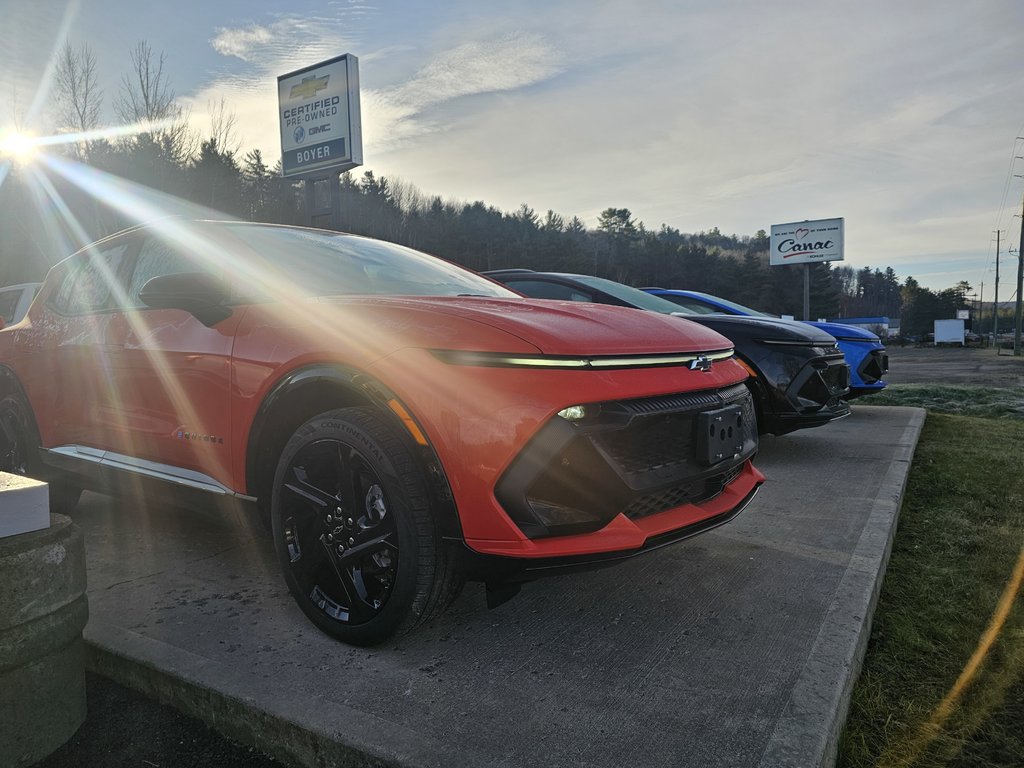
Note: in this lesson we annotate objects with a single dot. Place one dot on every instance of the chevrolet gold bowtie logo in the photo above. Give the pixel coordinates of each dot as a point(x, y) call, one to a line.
point(309, 86)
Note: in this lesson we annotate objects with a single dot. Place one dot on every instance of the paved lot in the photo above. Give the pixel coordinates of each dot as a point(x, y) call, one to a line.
point(735, 648)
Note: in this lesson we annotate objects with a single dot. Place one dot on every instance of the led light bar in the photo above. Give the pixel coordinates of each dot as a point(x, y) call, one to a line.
point(492, 359)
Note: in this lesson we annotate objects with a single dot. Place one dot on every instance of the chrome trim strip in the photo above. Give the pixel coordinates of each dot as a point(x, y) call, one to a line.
point(156, 470)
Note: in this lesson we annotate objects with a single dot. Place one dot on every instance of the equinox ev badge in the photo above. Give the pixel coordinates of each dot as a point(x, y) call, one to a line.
point(701, 363)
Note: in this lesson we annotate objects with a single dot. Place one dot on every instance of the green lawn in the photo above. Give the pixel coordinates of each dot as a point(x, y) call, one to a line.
point(960, 536)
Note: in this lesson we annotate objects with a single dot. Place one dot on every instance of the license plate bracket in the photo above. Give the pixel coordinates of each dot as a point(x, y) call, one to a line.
point(721, 434)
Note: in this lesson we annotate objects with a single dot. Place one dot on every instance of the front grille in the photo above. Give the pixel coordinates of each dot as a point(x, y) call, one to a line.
point(821, 384)
point(695, 401)
point(873, 366)
point(653, 445)
point(689, 493)
point(637, 457)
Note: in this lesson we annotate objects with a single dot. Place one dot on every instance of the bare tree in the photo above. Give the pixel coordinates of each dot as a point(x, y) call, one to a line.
point(79, 97)
point(223, 122)
point(146, 97)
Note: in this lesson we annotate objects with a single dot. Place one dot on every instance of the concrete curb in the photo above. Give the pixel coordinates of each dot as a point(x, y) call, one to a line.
point(808, 731)
point(266, 719)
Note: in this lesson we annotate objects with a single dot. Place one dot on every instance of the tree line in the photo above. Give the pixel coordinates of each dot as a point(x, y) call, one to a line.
point(212, 171)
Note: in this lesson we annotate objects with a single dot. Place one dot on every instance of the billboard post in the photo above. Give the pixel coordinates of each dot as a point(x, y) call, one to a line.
point(806, 242)
point(321, 132)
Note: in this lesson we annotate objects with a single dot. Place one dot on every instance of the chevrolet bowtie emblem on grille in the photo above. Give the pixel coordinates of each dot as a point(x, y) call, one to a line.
point(701, 363)
point(309, 86)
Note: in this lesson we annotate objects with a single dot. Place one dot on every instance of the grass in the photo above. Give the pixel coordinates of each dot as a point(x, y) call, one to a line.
point(960, 535)
point(984, 402)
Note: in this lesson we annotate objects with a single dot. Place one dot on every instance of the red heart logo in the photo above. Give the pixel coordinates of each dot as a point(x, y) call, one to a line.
point(802, 233)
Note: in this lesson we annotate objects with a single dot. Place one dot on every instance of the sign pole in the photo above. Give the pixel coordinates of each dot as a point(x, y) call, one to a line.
point(807, 291)
point(323, 201)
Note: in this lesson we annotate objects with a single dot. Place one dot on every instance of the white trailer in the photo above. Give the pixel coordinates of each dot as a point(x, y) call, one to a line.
point(949, 332)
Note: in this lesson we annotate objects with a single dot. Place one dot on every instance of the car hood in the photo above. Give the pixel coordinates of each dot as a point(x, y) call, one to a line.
point(551, 327)
point(764, 328)
point(849, 332)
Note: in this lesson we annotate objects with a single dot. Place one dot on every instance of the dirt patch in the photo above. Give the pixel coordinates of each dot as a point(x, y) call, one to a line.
point(969, 366)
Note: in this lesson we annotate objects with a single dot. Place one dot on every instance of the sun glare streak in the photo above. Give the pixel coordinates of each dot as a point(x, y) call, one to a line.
point(930, 730)
point(167, 215)
point(111, 132)
point(62, 240)
point(21, 147)
point(175, 393)
point(173, 221)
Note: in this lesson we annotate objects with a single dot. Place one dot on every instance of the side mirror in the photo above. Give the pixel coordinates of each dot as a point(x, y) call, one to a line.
point(200, 294)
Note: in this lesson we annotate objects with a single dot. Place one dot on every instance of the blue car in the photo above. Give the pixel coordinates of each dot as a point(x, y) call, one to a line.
point(864, 352)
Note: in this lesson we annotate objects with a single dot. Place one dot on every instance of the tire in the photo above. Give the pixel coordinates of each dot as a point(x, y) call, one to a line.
point(19, 454)
point(351, 521)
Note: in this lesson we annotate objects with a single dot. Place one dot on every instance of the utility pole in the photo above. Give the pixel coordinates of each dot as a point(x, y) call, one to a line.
point(978, 315)
point(995, 301)
point(1020, 284)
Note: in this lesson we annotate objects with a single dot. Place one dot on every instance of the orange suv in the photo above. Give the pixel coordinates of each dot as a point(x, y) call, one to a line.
point(404, 424)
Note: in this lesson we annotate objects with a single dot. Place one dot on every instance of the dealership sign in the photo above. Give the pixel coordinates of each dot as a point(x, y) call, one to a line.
point(807, 241)
point(318, 107)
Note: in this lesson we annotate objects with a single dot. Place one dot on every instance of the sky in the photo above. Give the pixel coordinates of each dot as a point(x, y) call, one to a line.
point(902, 118)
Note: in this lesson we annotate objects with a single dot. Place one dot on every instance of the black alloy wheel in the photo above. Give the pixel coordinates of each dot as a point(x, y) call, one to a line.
point(14, 436)
point(18, 454)
point(353, 531)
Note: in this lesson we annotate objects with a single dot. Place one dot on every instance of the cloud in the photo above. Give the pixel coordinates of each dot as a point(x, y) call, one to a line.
point(513, 61)
point(287, 43)
point(509, 63)
point(243, 42)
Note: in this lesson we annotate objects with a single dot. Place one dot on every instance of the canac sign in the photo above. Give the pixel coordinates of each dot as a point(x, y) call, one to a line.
point(319, 111)
point(806, 241)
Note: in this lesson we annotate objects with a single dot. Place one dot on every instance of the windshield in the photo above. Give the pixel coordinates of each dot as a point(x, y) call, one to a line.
point(632, 296)
point(695, 302)
point(328, 264)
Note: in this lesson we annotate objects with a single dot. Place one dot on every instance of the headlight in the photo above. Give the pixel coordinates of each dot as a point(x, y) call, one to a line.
point(573, 412)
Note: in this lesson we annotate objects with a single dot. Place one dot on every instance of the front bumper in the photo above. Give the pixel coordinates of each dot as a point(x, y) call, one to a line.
point(482, 422)
point(812, 397)
point(498, 570)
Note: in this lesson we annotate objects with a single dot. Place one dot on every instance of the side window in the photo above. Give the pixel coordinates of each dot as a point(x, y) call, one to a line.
point(687, 304)
point(8, 305)
point(91, 282)
point(541, 289)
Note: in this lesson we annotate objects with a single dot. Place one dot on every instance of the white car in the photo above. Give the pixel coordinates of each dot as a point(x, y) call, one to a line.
point(15, 301)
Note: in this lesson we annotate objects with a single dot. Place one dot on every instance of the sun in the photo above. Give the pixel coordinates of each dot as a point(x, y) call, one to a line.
point(17, 146)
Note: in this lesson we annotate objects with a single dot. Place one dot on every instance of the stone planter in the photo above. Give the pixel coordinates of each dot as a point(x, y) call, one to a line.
point(43, 609)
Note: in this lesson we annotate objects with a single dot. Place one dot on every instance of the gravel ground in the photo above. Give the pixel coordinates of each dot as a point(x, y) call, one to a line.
point(971, 366)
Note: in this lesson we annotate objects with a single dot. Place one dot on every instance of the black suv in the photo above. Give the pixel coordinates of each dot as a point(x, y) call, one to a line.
point(798, 375)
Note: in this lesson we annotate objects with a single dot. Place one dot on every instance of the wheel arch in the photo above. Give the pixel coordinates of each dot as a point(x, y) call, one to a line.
point(305, 392)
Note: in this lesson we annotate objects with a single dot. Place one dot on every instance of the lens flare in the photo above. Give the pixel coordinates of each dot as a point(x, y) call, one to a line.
point(17, 146)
